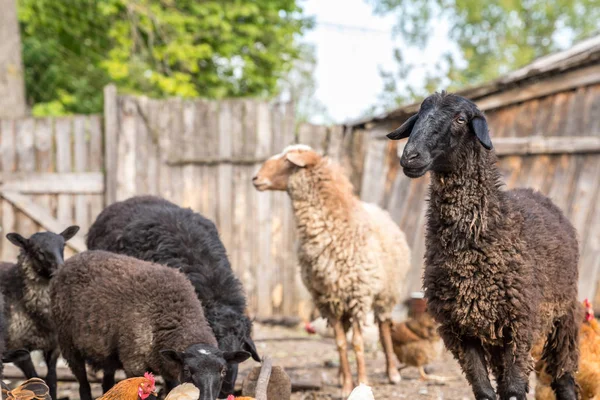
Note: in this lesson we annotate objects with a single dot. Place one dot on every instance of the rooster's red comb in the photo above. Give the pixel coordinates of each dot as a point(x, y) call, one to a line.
point(149, 376)
point(586, 303)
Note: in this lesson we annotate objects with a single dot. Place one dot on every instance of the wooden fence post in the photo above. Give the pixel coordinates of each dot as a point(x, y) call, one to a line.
point(111, 143)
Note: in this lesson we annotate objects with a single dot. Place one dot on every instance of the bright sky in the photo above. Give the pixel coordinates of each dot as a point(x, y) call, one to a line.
point(351, 45)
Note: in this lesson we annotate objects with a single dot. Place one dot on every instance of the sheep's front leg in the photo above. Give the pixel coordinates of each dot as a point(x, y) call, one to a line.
point(472, 360)
point(514, 384)
point(359, 350)
point(51, 358)
point(342, 346)
point(385, 335)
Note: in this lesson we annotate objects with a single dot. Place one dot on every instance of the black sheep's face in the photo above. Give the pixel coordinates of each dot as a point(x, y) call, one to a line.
point(205, 366)
point(444, 125)
point(45, 250)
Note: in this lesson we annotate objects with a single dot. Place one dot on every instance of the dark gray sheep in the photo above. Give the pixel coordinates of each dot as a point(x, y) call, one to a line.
point(25, 286)
point(500, 266)
point(114, 312)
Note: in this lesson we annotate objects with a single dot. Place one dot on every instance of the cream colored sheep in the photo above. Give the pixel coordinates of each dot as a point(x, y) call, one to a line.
point(353, 257)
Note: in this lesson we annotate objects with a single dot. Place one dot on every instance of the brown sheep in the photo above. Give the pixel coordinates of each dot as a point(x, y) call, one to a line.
point(500, 266)
point(115, 311)
point(353, 257)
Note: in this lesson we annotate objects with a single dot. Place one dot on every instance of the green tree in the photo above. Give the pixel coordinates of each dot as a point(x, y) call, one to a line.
point(189, 48)
point(493, 36)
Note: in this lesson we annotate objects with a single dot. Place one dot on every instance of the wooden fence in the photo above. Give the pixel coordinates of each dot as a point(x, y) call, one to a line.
point(50, 177)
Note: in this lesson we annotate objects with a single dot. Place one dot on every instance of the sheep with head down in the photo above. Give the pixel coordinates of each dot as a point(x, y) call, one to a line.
point(353, 257)
point(500, 266)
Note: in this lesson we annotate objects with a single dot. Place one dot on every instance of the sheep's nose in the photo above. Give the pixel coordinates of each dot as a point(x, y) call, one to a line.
point(412, 156)
point(254, 178)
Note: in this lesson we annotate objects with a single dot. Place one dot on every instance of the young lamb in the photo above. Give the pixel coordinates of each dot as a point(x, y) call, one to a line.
point(25, 287)
point(154, 229)
point(500, 266)
point(115, 311)
point(353, 257)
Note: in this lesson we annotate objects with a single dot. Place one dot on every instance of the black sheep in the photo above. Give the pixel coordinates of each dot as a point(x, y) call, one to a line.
point(25, 286)
point(154, 229)
point(500, 266)
point(114, 311)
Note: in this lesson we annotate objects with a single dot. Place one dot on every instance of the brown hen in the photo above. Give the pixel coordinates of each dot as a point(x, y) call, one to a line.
point(588, 375)
point(32, 389)
point(132, 389)
point(417, 343)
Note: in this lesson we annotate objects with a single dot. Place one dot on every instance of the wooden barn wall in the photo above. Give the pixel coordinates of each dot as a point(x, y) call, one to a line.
point(50, 177)
point(571, 180)
point(203, 154)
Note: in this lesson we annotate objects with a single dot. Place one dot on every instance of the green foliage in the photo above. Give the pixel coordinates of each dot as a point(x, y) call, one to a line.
point(188, 48)
point(493, 36)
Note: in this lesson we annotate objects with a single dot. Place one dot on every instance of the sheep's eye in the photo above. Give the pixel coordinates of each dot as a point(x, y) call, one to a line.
point(461, 120)
point(223, 372)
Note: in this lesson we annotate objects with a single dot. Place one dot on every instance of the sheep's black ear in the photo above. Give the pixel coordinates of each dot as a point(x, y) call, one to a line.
point(15, 356)
point(236, 357)
point(17, 240)
point(69, 232)
point(405, 129)
point(172, 355)
point(250, 347)
point(480, 128)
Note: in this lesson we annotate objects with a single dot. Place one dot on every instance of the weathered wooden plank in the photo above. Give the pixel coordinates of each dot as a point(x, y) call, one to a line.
point(547, 145)
point(54, 183)
point(250, 257)
point(82, 212)
point(111, 141)
point(153, 148)
point(9, 251)
point(265, 282)
point(225, 174)
point(562, 82)
point(42, 217)
point(142, 146)
point(96, 164)
point(25, 149)
point(127, 147)
point(7, 145)
point(187, 145)
point(175, 174)
point(64, 158)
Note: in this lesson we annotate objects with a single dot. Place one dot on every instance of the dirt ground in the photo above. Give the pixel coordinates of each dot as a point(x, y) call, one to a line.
point(314, 359)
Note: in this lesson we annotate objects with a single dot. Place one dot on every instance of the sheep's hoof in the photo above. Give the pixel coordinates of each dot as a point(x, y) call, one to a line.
point(394, 377)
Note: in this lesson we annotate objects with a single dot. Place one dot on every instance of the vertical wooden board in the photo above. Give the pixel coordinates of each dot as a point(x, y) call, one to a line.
point(334, 148)
point(314, 136)
point(81, 139)
point(96, 163)
point(25, 163)
point(414, 202)
point(510, 167)
point(9, 251)
point(544, 116)
point(397, 203)
point(374, 175)
point(164, 126)
point(414, 277)
point(142, 145)
point(585, 194)
point(593, 124)
point(565, 169)
point(239, 254)
point(590, 257)
point(25, 148)
point(44, 158)
point(7, 145)
point(64, 164)
point(127, 148)
point(265, 265)
point(175, 173)
point(225, 175)
point(111, 141)
point(188, 151)
point(152, 146)
point(250, 250)
point(537, 174)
